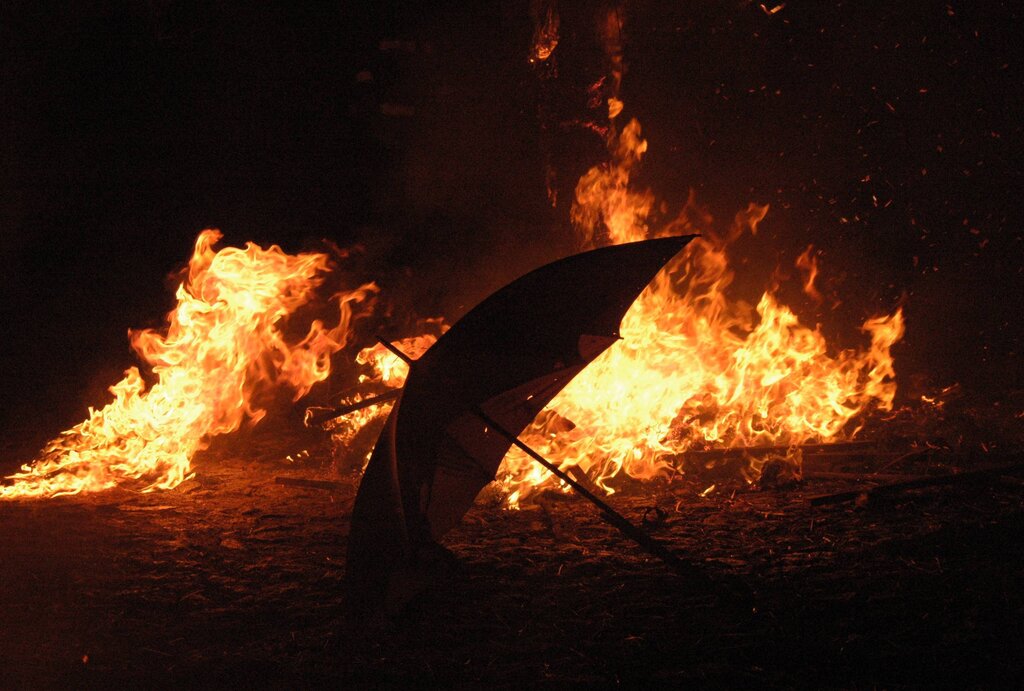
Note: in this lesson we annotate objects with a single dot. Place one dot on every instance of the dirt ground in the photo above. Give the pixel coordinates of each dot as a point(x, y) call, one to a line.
point(233, 580)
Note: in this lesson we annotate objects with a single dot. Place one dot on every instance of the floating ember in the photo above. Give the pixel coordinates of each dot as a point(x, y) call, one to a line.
point(222, 352)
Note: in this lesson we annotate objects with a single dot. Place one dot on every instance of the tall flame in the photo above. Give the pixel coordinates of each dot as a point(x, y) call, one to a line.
point(222, 351)
point(695, 368)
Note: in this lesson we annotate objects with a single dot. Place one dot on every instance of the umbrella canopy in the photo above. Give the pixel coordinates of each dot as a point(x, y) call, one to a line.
point(498, 366)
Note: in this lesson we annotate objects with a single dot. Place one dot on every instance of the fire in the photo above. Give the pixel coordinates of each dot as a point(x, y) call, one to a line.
point(808, 263)
point(384, 368)
point(221, 353)
point(545, 32)
point(388, 368)
point(697, 369)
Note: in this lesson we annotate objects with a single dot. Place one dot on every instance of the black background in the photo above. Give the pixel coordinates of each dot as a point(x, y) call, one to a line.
point(886, 134)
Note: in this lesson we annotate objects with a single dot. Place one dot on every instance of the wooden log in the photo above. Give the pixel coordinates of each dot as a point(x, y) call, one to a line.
point(865, 453)
point(318, 416)
point(869, 476)
point(916, 483)
point(844, 447)
point(310, 484)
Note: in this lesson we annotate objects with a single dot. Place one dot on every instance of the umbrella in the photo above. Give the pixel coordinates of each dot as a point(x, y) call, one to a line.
point(469, 396)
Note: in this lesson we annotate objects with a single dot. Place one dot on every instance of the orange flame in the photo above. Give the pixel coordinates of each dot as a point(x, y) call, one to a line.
point(384, 368)
point(388, 368)
point(696, 369)
point(222, 351)
point(808, 263)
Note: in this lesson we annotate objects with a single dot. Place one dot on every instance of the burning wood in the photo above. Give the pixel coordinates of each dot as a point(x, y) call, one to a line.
point(903, 485)
point(696, 367)
point(545, 31)
point(840, 447)
point(317, 415)
point(311, 484)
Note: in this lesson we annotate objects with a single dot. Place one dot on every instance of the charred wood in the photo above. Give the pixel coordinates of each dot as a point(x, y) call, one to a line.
point(311, 484)
point(845, 447)
point(916, 483)
point(318, 416)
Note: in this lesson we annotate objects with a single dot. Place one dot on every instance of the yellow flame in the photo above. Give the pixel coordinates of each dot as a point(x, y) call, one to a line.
point(384, 368)
point(695, 368)
point(222, 351)
point(389, 369)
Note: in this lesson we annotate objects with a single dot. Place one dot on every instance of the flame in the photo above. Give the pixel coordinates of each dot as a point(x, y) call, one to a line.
point(386, 368)
point(696, 369)
point(545, 31)
point(808, 263)
point(389, 369)
point(604, 199)
point(222, 352)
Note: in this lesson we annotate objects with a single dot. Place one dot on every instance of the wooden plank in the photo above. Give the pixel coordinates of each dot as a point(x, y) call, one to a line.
point(916, 483)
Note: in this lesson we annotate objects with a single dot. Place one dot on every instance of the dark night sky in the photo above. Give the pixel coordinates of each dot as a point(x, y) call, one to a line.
point(887, 134)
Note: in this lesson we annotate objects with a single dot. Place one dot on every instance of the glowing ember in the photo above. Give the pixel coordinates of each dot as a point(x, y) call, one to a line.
point(696, 369)
point(222, 352)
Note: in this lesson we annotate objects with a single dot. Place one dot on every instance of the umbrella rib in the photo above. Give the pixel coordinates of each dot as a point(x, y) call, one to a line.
point(396, 350)
point(642, 538)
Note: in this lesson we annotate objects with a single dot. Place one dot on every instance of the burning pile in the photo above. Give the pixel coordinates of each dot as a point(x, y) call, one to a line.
point(696, 369)
point(222, 352)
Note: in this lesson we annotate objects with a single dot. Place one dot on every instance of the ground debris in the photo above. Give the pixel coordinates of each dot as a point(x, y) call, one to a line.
point(229, 586)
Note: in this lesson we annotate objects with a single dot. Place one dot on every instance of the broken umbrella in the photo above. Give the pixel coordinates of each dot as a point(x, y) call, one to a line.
point(469, 396)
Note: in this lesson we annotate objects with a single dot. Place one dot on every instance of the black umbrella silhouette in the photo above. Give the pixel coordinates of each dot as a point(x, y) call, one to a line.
point(469, 396)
